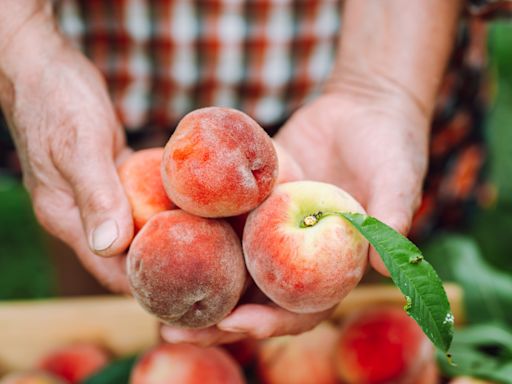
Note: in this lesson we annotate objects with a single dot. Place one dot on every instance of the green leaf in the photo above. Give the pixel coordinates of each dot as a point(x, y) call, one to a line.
point(481, 351)
point(427, 302)
point(487, 291)
point(115, 373)
point(25, 268)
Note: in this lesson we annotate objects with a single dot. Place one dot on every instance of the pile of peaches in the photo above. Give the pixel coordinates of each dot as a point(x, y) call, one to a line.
point(222, 202)
point(372, 346)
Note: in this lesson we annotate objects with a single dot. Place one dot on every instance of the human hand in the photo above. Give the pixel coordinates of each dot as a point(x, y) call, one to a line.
point(255, 317)
point(68, 140)
point(377, 151)
point(373, 147)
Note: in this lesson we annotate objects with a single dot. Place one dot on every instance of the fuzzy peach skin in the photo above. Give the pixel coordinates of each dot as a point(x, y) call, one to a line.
point(303, 359)
point(304, 270)
point(33, 377)
point(219, 162)
point(288, 170)
point(142, 181)
point(186, 364)
point(383, 345)
point(76, 362)
point(187, 270)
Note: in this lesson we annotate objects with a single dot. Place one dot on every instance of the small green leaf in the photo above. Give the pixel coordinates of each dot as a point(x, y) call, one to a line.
point(482, 351)
point(427, 302)
point(114, 373)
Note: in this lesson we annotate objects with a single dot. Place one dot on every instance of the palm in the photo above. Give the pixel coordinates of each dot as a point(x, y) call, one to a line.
point(366, 150)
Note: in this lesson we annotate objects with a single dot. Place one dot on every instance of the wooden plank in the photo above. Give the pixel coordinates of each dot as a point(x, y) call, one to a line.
point(374, 295)
point(30, 329)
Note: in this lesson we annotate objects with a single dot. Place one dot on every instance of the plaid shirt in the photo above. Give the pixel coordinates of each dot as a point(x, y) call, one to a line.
point(162, 59)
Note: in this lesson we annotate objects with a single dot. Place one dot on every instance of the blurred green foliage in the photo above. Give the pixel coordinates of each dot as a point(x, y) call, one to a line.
point(25, 271)
point(479, 260)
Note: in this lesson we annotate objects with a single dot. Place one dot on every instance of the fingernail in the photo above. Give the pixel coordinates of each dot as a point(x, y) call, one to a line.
point(104, 235)
point(231, 328)
point(172, 336)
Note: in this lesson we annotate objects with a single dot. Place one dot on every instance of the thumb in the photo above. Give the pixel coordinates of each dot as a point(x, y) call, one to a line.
point(393, 202)
point(104, 209)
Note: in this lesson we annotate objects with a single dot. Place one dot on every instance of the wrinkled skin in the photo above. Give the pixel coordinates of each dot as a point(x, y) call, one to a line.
point(367, 133)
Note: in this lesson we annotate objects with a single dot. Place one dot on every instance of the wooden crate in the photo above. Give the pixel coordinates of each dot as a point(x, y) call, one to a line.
point(30, 329)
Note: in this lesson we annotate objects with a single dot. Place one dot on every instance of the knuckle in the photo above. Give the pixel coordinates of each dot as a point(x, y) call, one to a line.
point(97, 200)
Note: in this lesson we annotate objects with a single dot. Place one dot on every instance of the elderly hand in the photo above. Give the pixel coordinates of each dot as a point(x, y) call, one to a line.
point(374, 148)
point(68, 140)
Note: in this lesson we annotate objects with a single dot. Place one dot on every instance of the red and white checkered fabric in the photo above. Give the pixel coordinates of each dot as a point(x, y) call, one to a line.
point(164, 58)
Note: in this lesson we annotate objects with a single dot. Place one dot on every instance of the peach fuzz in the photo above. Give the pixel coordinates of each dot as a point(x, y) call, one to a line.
point(75, 362)
point(289, 170)
point(303, 359)
point(218, 163)
point(187, 270)
point(33, 377)
point(304, 269)
point(186, 364)
point(383, 345)
point(142, 182)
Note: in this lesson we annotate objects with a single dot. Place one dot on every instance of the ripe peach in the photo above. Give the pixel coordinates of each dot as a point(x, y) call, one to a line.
point(289, 170)
point(303, 359)
point(186, 364)
point(75, 362)
point(427, 374)
point(243, 351)
point(142, 182)
point(382, 345)
point(185, 269)
point(33, 377)
point(218, 163)
point(304, 269)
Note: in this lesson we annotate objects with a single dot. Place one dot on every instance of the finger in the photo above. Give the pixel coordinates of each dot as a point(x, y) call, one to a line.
point(262, 321)
point(204, 337)
point(393, 200)
point(57, 212)
point(104, 209)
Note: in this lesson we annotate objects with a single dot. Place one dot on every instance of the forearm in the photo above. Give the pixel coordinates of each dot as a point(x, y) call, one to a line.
point(395, 48)
point(28, 35)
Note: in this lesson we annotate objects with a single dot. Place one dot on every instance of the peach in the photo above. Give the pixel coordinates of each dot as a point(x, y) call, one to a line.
point(303, 359)
point(304, 269)
point(219, 162)
point(383, 345)
point(243, 351)
point(428, 374)
point(288, 170)
point(187, 270)
point(142, 182)
point(186, 364)
point(33, 377)
point(75, 362)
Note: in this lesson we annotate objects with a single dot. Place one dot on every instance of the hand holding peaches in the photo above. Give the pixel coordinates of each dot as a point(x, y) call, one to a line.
point(187, 265)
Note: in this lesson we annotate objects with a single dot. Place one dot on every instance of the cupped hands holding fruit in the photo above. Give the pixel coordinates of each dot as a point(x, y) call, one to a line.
point(367, 135)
